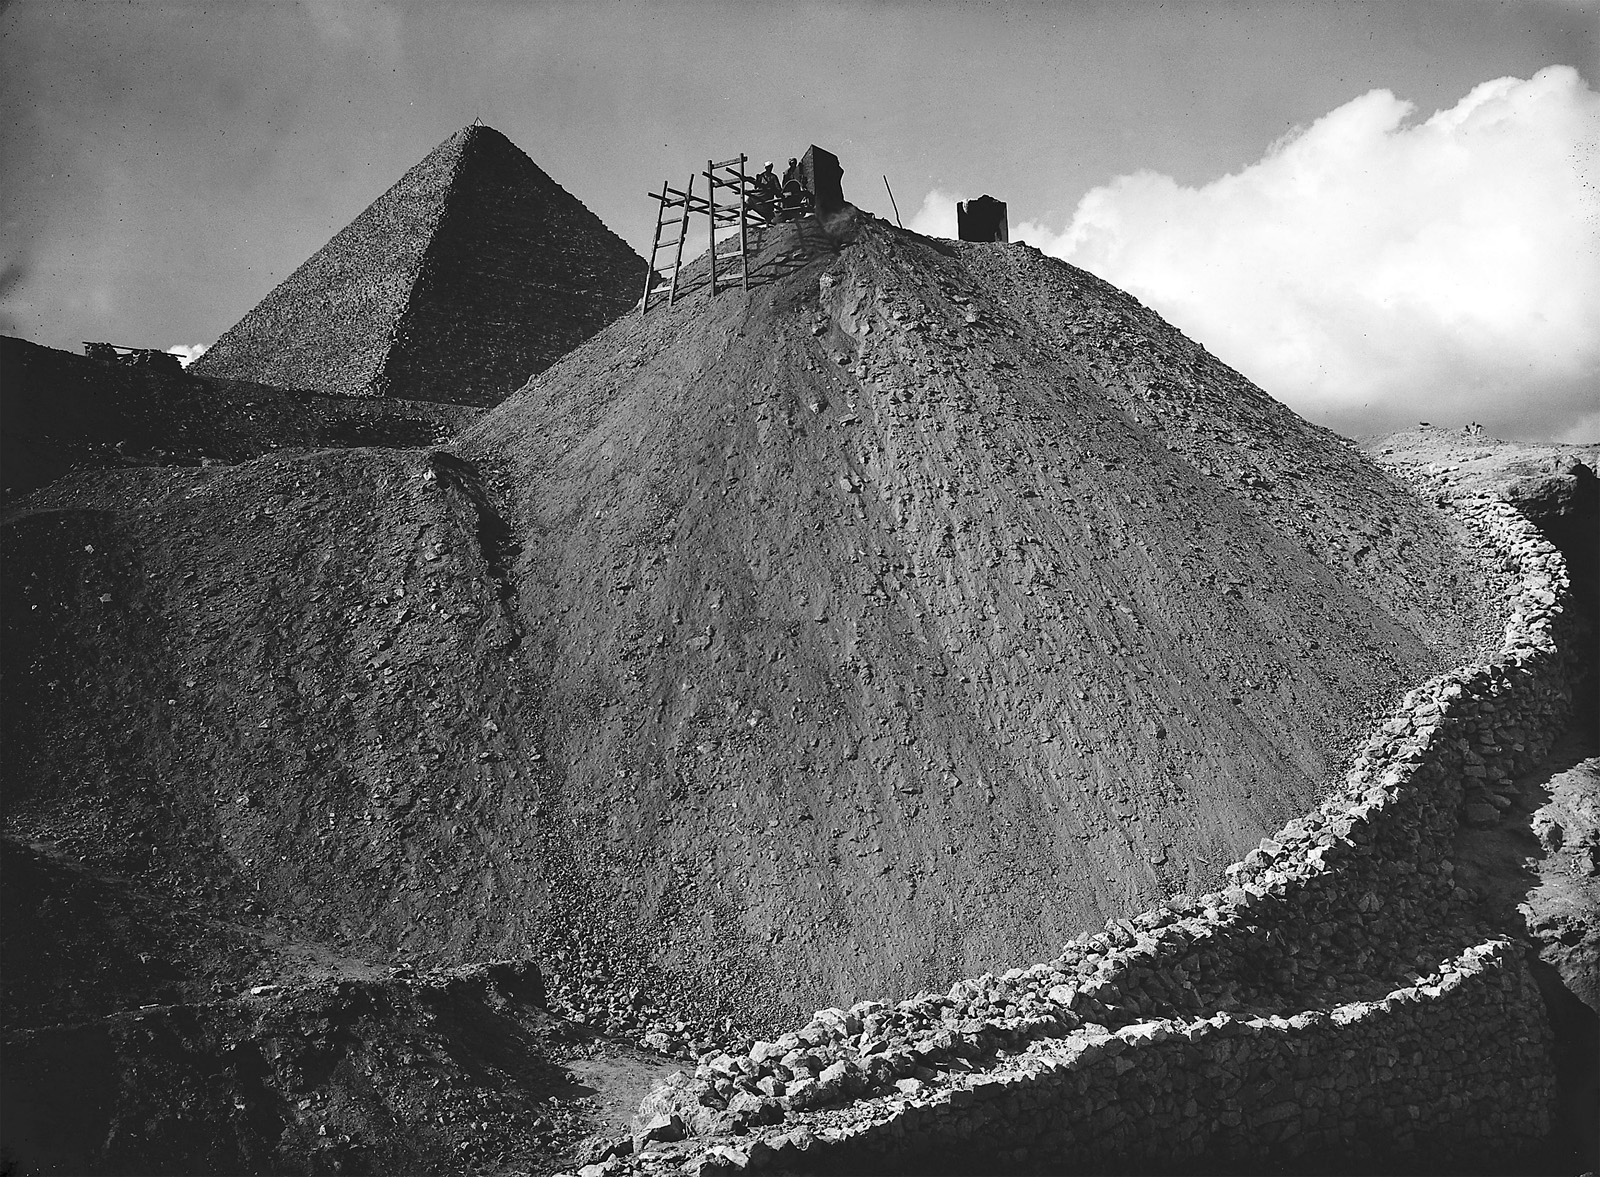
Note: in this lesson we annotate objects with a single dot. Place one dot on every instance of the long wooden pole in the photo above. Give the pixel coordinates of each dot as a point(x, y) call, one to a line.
point(744, 246)
point(650, 270)
point(683, 231)
point(896, 207)
point(711, 210)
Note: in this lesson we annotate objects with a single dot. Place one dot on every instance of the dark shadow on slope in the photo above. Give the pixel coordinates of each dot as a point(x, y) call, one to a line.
point(440, 1073)
point(1575, 1140)
point(1513, 871)
point(495, 538)
point(65, 412)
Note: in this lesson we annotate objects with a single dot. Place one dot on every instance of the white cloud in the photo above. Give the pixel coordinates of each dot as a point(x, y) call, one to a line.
point(1586, 431)
point(937, 216)
point(1371, 271)
point(188, 353)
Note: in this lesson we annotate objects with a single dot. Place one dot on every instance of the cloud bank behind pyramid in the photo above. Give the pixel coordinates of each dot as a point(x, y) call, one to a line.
point(473, 272)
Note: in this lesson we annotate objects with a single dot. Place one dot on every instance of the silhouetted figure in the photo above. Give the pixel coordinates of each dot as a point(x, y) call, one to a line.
point(796, 201)
point(768, 194)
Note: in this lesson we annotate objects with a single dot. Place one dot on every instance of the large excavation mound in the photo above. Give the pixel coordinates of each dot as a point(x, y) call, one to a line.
point(892, 621)
point(929, 604)
point(473, 272)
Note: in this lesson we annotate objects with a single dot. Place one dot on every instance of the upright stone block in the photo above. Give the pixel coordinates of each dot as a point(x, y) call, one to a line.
point(821, 173)
point(983, 219)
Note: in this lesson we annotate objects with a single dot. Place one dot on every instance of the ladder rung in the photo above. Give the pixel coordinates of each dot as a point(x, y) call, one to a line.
point(668, 244)
point(734, 162)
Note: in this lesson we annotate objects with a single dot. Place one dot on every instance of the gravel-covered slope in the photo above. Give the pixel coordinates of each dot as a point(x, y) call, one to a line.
point(766, 652)
point(880, 641)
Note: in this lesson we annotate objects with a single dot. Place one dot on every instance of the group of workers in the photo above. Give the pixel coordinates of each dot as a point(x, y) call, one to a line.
point(775, 200)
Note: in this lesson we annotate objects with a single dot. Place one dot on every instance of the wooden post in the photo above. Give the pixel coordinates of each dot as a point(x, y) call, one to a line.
point(744, 248)
point(711, 209)
point(650, 270)
point(683, 231)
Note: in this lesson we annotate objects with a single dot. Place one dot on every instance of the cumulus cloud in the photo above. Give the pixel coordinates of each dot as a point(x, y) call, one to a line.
point(1372, 270)
point(188, 353)
point(937, 216)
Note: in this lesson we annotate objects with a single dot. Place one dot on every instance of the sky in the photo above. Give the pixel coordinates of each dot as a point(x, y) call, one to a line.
point(1381, 213)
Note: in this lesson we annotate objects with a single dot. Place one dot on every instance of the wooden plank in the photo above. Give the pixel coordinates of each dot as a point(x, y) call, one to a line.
point(744, 244)
point(677, 262)
point(650, 270)
point(712, 229)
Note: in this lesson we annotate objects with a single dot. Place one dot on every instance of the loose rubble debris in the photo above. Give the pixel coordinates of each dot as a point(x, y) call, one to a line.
point(1318, 924)
point(889, 624)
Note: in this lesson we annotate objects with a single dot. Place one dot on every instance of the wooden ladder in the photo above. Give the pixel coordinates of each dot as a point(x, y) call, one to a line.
point(670, 199)
point(732, 176)
point(729, 175)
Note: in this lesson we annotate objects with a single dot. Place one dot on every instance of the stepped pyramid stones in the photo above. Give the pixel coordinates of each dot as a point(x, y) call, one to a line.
point(474, 272)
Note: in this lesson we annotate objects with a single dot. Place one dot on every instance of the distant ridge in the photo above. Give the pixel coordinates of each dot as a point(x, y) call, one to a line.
point(472, 273)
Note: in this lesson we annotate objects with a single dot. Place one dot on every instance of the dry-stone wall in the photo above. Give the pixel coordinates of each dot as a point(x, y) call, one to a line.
point(1365, 1081)
point(1339, 993)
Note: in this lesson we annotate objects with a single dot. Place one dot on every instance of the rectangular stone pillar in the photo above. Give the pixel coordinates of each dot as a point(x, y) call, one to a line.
point(983, 219)
point(820, 172)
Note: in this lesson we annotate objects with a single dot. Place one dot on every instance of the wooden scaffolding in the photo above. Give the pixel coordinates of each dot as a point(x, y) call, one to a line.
point(728, 188)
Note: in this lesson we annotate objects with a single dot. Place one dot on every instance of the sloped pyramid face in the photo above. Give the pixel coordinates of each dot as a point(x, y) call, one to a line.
point(474, 272)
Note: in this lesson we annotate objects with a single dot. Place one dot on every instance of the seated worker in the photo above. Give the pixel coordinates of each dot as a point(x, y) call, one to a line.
point(796, 201)
point(766, 193)
point(792, 172)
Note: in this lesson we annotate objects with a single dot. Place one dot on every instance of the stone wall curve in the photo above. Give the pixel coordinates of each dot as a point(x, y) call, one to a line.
point(1341, 940)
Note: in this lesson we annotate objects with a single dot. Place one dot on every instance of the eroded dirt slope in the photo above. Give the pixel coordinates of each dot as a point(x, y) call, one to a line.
point(766, 652)
point(883, 642)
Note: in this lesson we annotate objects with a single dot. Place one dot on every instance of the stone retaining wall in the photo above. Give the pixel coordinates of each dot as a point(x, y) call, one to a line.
point(1350, 904)
point(1368, 1081)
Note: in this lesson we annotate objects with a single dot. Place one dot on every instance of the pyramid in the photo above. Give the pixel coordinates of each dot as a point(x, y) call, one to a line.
point(473, 272)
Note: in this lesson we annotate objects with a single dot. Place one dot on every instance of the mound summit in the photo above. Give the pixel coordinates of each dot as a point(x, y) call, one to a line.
point(473, 271)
